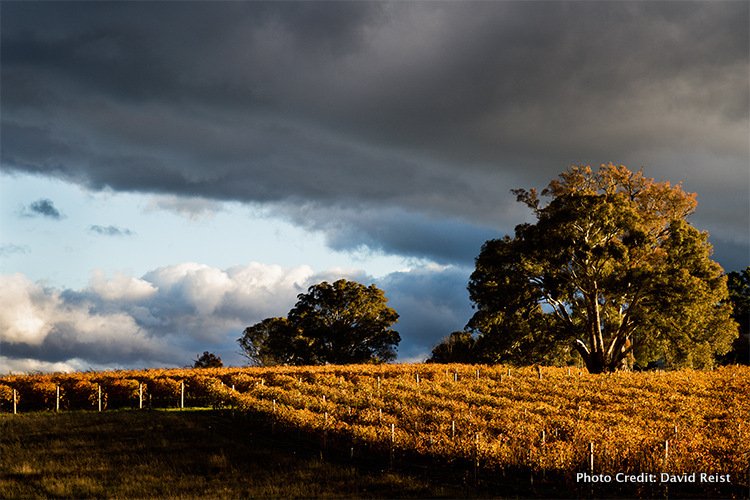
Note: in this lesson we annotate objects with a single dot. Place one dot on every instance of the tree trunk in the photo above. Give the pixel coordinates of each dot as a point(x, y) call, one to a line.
point(595, 360)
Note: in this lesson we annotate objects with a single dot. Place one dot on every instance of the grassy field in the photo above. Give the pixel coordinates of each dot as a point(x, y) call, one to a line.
point(181, 454)
point(376, 431)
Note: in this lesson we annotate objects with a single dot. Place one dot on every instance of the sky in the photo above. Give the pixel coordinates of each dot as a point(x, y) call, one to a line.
point(172, 172)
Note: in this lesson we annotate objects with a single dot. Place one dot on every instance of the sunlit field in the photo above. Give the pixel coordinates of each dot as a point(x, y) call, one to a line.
point(377, 430)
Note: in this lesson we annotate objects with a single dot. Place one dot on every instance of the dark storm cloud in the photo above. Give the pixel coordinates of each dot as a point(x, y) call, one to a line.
point(44, 208)
point(393, 230)
point(434, 109)
point(110, 230)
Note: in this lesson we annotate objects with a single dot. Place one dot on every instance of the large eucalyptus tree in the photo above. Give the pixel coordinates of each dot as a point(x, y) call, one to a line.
point(612, 268)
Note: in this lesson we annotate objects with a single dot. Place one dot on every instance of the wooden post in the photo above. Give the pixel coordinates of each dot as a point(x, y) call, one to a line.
point(417, 378)
point(380, 415)
point(378, 382)
point(182, 394)
point(15, 402)
point(453, 429)
point(476, 458)
point(57, 398)
point(477, 373)
point(455, 376)
point(666, 452)
point(591, 457)
point(543, 436)
point(140, 396)
point(509, 372)
point(393, 434)
point(99, 390)
point(274, 405)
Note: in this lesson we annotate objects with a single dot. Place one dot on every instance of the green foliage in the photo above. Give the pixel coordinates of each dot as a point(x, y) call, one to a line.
point(208, 360)
point(343, 322)
point(611, 268)
point(458, 347)
point(738, 284)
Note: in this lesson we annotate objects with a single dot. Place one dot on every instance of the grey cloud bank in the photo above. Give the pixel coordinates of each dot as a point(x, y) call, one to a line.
point(392, 127)
point(396, 126)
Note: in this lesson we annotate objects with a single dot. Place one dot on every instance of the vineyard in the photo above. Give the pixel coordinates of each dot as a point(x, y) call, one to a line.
point(544, 420)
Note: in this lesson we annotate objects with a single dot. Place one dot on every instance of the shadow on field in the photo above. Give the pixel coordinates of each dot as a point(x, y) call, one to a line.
point(225, 454)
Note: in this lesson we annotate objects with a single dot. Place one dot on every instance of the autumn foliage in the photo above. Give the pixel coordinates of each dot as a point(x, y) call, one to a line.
point(496, 417)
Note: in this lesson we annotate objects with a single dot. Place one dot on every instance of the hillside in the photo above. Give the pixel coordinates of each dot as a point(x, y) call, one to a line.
point(479, 424)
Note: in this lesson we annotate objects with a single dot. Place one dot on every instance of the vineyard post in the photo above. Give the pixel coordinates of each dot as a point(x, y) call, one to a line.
point(417, 378)
point(477, 373)
point(476, 458)
point(509, 372)
point(543, 436)
point(666, 453)
point(182, 394)
point(140, 395)
point(453, 429)
point(591, 457)
point(393, 442)
point(57, 398)
point(15, 402)
point(455, 376)
point(99, 391)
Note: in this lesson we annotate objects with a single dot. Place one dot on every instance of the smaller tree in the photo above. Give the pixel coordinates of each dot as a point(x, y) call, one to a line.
point(275, 341)
point(338, 323)
point(208, 360)
point(738, 284)
point(458, 347)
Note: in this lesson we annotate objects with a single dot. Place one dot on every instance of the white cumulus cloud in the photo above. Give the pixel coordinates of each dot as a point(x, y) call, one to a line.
point(170, 314)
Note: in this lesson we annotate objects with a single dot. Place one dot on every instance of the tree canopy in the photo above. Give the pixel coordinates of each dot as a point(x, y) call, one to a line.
point(739, 296)
point(339, 323)
point(458, 347)
point(611, 268)
point(208, 360)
